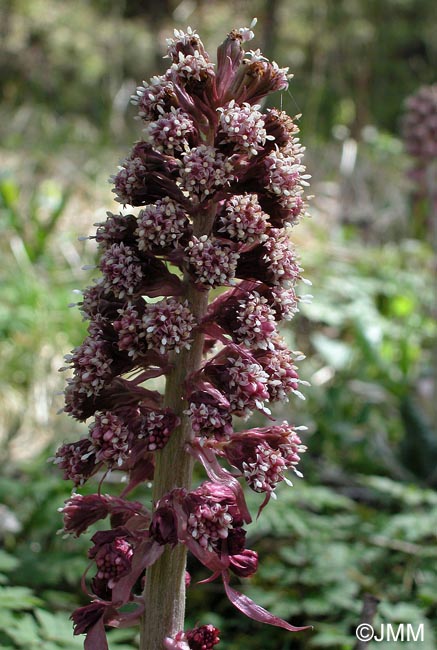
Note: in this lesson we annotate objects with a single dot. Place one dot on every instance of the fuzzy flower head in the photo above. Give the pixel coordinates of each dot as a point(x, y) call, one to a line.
point(243, 127)
point(273, 262)
point(155, 97)
point(264, 455)
point(171, 132)
point(110, 438)
point(279, 365)
point(281, 259)
point(155, 427)
point(245, 315)
point(204, 170)
point(97, 301)
point(284, 302)
point(161, 225)
point(192, 67)
point(210, 264)
point(209, 522)
point(129, 331)
point(80, 512)
point(246, 384)
point(285, 180)
point(77, 461)
point(284, 130)
point(209, 413)
point(144, 176)
point(112, 553)
point(240, 378)
point(129, 180)
point(242, 219)
point(121, 270)
point(117, 228)
point(206, 517)
point(185, 43)
point(92, 364)
point(256, 322)
point(168, 325)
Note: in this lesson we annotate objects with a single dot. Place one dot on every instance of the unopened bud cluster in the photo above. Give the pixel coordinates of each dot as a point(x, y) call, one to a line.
point(209, 197)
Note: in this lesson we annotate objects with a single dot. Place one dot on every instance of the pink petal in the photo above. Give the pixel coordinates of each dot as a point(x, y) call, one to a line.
point(264, 503)
point(171, 643)
point(256, 612)
point(215, 331)
point(218, 474)
point(96, 637)
point(210, 559)
point(126, 619)
point(145, 555)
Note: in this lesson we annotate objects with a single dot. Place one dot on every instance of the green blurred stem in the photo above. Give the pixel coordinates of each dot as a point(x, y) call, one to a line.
point(164, 590)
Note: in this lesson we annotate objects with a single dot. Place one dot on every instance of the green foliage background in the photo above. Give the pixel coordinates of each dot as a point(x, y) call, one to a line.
point(364, 518)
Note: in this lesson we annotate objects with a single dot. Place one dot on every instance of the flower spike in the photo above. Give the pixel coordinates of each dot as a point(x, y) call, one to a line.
point(196, 274)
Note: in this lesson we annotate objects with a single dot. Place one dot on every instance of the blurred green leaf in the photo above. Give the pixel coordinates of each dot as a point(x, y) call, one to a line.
point(17, 598)
point(7, 562)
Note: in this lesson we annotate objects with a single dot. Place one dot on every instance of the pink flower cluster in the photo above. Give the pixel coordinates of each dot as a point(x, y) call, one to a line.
point(214, 188)
point(420, 123)
point(419, 130)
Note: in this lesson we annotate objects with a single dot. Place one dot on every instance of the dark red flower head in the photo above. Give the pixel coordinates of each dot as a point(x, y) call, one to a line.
point(204, 637)
point(112, 553)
